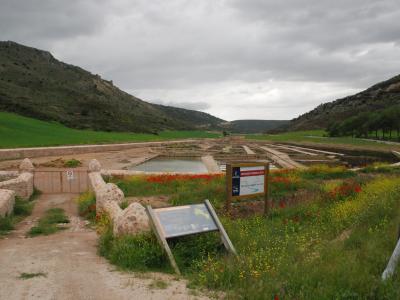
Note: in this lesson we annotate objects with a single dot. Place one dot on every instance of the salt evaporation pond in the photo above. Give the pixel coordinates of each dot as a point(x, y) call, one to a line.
point(172, 165)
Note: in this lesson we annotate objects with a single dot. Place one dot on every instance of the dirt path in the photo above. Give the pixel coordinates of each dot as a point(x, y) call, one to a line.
point(71, 266)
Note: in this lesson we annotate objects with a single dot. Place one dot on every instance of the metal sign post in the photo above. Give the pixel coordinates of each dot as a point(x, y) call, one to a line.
point(247, 180)
point(177, 221)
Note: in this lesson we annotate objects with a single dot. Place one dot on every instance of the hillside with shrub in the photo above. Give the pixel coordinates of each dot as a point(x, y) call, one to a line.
point(378, 97)
point(35, 84)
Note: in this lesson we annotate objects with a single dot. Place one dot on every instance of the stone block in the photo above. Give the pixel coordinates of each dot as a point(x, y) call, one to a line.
point(7, 201)
point(132, 220)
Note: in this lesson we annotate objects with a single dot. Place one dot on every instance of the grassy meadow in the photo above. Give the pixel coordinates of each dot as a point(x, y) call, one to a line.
point(320, 137)
point(17, 131)
point(329, 235)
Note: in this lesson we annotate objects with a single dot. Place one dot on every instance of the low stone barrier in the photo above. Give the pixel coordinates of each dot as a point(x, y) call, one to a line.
point(15, 183)
point(131, 220)
point(7, 201)
point(20, 182)
point(22, 185)
point(7, 175)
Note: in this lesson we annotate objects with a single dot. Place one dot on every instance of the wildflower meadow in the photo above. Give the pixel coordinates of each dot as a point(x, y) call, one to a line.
point(328, 235)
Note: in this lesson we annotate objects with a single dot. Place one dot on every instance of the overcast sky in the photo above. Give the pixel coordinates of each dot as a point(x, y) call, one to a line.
point(235, 59)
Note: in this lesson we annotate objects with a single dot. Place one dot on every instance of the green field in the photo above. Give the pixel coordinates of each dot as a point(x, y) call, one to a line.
point(18, 131)
point(319, 137)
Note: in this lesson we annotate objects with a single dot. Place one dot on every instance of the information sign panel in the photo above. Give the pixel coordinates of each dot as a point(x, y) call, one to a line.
point(184, 220)
point(247, 179)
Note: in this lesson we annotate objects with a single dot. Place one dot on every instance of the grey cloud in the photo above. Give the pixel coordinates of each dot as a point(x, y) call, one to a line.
point(46, 21)
point(172, 50)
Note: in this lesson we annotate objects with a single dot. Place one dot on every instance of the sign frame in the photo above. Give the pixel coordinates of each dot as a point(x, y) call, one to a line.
point(162, 239)
point(229, 185)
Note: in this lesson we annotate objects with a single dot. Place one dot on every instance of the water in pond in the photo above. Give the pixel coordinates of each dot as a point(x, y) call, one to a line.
point(172, 165)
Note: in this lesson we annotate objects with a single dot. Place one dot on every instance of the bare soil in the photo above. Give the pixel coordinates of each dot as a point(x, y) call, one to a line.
point(122, 159)
point(69, 266)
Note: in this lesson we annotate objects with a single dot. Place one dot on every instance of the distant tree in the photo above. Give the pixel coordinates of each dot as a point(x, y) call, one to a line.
point(373, 123)
point(386, 123)
point(393, 118)
point(334, 129)
point(362, 124)
point(348, 126)
point(225, 133)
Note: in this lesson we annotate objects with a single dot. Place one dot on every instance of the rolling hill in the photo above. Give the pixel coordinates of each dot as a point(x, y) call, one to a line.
point(253, 126)
point(35, 84)
point(377, 97)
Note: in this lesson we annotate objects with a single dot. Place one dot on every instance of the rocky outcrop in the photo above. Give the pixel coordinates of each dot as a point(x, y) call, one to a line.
point(7, 201)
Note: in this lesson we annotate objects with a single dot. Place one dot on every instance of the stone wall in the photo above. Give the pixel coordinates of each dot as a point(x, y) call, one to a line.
point(131, 220)
point(20, 182)
point(22, 185)
point(6, 154)
point(7, 201)
point(6, 175)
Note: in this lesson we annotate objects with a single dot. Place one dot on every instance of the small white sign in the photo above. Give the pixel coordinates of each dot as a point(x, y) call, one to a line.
point(70, 175)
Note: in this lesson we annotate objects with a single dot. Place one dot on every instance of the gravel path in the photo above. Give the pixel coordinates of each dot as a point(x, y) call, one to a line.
point(71, 267)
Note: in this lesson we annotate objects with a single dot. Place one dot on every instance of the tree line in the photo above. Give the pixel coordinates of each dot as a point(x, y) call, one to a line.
point(380, 124)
